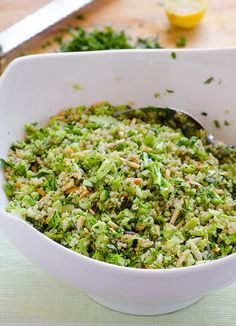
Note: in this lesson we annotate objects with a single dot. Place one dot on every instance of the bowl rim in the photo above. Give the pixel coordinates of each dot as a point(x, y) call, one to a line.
point(115, 52)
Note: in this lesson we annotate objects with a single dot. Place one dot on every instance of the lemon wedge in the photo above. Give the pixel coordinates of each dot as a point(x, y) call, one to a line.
point(185, 13)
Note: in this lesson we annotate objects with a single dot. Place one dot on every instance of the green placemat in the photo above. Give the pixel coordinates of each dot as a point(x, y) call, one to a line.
point(28, 296)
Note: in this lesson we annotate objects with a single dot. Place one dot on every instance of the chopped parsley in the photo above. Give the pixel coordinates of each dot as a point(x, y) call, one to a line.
point(157, 94)
point(147, 43)
point(209, 80)
point(105, 39)
point(173, 55)
point(4, 163)
point(46, 45)
point(169, 91)
point(80, 17)
point(217, 123)
point(77, 86)
point(58, 39)
point(227, 123)
point(181, 42)
point(205, 114)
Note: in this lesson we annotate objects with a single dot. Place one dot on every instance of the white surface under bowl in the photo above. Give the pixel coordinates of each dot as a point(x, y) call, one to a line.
point(33, 88)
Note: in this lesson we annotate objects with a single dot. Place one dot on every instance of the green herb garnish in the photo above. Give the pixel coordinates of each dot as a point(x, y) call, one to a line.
point(58, 39)
point(157, 94)
point(77, 86)
point(80, 17)
point(173, 55)
point(209, 80)
point(227, 123)
point(217, 123)
point(46, 45)
point(4, 163)
point(105, 39)
point(205, 114)
point(147, 43)
point(170, 91)
point(181, 42)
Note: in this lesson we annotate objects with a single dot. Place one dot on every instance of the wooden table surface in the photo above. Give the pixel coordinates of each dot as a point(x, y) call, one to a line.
point(14, 10)
point(138, 18)
point(143, 16)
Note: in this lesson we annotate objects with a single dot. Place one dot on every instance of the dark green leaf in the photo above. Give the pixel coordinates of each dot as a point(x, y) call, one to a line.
point(209, 80)
point(217, 123)
point(181, 42)
point(169, 91)
point(173, 55)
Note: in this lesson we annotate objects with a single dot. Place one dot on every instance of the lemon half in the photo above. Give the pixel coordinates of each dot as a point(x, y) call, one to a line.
point(185, 13)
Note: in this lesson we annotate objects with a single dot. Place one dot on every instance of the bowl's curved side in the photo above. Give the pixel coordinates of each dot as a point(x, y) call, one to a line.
point(112, 282)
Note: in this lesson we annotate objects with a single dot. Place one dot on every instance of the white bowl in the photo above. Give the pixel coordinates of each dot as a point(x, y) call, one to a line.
point(33, 88)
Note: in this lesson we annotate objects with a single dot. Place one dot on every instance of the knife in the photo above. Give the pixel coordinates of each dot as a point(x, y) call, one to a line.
point(37, 22)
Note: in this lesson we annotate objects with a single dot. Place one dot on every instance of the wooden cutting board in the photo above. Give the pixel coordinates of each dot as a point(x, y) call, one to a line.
point(136, 17)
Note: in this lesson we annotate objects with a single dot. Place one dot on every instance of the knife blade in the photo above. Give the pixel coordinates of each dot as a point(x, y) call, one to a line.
point(37, 22)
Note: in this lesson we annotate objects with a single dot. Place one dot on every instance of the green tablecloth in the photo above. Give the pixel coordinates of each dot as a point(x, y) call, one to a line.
point(28, 296)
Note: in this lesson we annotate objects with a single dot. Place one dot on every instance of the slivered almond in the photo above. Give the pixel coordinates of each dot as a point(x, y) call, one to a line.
point(182, 258)
point(196, 252)
point(86, 231)
point(134, 158)
point(176, 211)
point(113, 225)
point(138, 181)
point(60, 116)
point(67, 186)
point(133, 165)
point(68, 151)
point(70, 190)
point(144, 243)
point(132, 124)
point(80, 222)
point(84, 194)
point(83, 188)
point(181, 223)
point(34, 167)
point(215, 250)
point(98, 103)
point(130, 163)
point(147, 149)
point(140, 227)
point(41, 192)
point(167, 173)
point(194, 183)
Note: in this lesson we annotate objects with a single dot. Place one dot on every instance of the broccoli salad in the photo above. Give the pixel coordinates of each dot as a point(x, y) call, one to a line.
point(131, 191)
